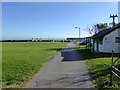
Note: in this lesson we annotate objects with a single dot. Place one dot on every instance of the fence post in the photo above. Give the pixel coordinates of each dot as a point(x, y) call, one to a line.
point(111, 69)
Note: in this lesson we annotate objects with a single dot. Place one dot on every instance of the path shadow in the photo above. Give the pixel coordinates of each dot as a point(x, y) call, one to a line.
point(70, 55)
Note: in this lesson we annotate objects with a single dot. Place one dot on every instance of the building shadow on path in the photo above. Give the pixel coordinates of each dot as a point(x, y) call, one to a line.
point(70, 55)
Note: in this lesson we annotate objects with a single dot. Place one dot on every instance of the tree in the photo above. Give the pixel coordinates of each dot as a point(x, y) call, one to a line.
point(97, 28)
point(102, 26)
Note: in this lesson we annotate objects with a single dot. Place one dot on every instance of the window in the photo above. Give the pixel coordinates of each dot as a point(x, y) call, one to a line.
point(117, 39)
point(108, 39)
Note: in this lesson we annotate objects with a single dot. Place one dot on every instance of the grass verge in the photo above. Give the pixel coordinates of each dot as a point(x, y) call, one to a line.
point(99, 68)
point(21, 60)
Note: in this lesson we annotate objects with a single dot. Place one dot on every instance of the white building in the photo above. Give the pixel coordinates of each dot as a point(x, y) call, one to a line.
point(109, 39)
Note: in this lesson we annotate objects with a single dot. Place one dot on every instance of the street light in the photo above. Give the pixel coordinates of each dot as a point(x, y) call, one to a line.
point(79, 35)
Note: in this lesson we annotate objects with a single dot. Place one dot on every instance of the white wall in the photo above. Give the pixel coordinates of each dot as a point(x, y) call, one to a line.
point(109, 43)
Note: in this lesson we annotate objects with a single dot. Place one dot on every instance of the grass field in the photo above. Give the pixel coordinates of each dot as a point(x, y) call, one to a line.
point(99, 68)
point(21, 60)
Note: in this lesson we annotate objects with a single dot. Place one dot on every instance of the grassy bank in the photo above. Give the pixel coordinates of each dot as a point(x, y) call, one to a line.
point(21, 60)
point(99, 68)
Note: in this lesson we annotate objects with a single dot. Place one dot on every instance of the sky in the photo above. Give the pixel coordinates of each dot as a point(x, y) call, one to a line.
point(26, 20)
point(59, 0)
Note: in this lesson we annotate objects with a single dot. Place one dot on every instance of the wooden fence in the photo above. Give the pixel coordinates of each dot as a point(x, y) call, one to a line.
point(115, 68)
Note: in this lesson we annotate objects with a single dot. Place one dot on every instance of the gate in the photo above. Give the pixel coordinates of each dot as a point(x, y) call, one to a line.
point(115, 67)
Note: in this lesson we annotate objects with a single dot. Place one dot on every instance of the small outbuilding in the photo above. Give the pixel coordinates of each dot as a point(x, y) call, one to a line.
point(107, 40)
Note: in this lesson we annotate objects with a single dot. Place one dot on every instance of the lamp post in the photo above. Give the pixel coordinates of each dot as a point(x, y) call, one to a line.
point(79, 35)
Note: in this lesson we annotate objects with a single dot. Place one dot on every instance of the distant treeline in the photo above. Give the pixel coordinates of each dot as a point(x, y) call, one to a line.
point(34, 41)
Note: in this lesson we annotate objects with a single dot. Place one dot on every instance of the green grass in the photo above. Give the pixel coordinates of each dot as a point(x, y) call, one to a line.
point(99, 68)
point(21, 60)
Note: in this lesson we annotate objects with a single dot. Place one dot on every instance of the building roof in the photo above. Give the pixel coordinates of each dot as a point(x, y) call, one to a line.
point(104, 32)
point(74, 38)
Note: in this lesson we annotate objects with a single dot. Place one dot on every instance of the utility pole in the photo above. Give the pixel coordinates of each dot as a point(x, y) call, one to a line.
point(79, 35)
point(113, 17)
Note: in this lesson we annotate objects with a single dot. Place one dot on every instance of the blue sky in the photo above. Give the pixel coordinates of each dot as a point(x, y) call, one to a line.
point(26, 20)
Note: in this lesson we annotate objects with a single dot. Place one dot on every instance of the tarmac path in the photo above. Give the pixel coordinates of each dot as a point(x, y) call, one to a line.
point(65, 70)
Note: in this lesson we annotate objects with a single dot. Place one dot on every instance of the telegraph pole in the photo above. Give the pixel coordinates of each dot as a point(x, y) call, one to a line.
point(113, 17)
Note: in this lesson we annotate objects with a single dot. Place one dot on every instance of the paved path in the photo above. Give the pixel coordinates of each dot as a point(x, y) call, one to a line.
point(65, 70)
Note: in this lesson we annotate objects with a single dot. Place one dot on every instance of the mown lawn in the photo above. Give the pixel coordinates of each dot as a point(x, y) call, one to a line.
point(99, 68)
point(21, 60)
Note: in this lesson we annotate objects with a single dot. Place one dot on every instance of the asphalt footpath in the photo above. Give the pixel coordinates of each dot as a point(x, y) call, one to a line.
point(65, 70)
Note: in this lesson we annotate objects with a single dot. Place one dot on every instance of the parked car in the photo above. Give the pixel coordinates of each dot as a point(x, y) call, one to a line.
point(84, 42)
